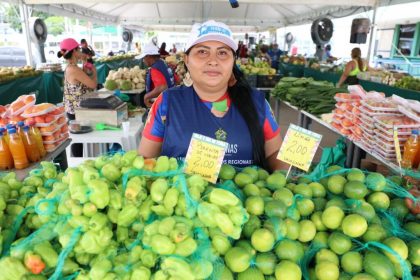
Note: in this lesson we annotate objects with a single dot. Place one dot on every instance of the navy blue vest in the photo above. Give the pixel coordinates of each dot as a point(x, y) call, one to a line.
point(165, 70)
point(187, 114)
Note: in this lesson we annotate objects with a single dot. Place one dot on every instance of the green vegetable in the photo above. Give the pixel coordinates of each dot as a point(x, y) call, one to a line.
point(135, 189)
point(223, 197)
point(128, 215)
point(111, 172)
point(115, 199)
point(100, 268)
point(99, 193)
point(162, 164)
point(158, 189)
point(94, 242)
point(47, 253)
point(98, 221)
point(12, 269)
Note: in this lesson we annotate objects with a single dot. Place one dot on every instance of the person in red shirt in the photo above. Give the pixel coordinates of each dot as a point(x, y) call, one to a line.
point(159, 77)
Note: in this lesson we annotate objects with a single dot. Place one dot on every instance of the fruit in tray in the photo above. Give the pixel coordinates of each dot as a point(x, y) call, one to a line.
point(57, 134)
point(21, 102)
point(347, 96)
point(44, 119)
point(61, 120)
point(339, 111)
point(49, 128)
point(49, 147)
point(49, 138)
point(64, 129)
point(346, 123)
point(58, 111)
point(336, 125)
point(390, 121)
point(380, 104)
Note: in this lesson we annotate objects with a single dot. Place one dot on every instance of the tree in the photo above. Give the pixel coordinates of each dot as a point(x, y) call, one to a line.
point(55, 25)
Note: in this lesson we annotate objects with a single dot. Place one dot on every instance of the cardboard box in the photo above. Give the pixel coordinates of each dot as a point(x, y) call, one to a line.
point(108, 116)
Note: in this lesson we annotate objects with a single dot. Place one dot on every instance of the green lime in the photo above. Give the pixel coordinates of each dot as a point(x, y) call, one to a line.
point(251, 190)
point(287, 270)
point(262, 240)
point(354, 225)
point(284, 195)
point(336, 184)
point(307, 231)
point(262, 174)
point(332, 217)
point(355, 190)
point(327, 271)
point(304, 190)
point(276, 181)
point(376, 181)
point(251, 172)
point(289, 250)
point(326, 255)
point(414, 252)
point(255, 205)
point(305, 206)
point(316, 218)
point(379, 200)
point(320, 203)
point(318, 189)
point(242, 179)
point(227, 172)
point(339, 243)
point(352, 262)
point(321, 238)
point(356, 175)
point(293, 229)
point(374, 232)
point(398, 246)
point(266, 262)
point(398, 207)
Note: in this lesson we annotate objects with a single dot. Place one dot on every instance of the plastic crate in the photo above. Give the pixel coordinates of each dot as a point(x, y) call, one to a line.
point(252, 80)
point(268, 81)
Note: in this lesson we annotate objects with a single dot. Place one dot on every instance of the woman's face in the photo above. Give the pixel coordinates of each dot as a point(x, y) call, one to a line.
point(210, 64)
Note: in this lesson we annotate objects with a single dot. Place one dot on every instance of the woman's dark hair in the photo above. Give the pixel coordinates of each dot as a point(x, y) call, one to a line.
point(162, 47)
point(67, 55)
point(240, 95)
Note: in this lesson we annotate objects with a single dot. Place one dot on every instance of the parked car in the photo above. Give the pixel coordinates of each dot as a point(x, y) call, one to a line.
point(12, 56)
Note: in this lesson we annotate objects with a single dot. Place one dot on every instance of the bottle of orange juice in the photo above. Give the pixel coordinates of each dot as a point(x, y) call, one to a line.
point(411, 148)
point(6, 160)
point(17, 149)
point(19, 128)
point(5, 134)
point(34, 131)
point(31, 146)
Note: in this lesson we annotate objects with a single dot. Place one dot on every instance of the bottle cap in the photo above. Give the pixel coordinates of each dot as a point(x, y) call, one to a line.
point(2, 129)
point(415, 131)
point(26, 128)
point(9, 126)
point(12, 130)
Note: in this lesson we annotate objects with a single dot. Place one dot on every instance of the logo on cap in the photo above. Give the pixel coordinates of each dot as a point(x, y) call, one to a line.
point(206, 29)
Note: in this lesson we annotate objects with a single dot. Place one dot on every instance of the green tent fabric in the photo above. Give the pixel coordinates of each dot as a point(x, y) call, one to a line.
point(291, 70)
point(11, 90)
point(330, 156)
point(52, 87)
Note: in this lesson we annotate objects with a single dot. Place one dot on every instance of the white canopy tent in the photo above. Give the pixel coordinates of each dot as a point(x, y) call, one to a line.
point(179, 15)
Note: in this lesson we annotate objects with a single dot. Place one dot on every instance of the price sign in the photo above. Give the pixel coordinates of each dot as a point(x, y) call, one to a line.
point(205, 156)
point(397, 145)
point(299, 147)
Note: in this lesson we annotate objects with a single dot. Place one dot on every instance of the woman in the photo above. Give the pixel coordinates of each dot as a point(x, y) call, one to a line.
point(162, 51)
point(219, 104)
point(353, 67)
point(76, 81)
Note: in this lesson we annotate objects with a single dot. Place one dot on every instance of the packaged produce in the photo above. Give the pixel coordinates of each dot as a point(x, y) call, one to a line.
point(38, 110)
point(21, 104)
point(402, 123)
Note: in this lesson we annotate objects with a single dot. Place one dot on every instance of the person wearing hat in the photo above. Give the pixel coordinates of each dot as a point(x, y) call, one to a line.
point(76, 81)
point(159, 76)
point(89, 53)
point(215, 101)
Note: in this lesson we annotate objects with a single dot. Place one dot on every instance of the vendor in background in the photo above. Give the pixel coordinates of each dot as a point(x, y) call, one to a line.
point(216, 101)
point(353, 67)
point(137, 47)
point(159, 76)
point(263, 54)
point(173, 50)
point(327, 56)
point(86, 48)
point(162, 51)
point(76, 81)
point(275, 54)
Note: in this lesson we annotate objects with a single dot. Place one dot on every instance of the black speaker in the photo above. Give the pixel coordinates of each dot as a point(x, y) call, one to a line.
point(251, 40)
point(360, 28)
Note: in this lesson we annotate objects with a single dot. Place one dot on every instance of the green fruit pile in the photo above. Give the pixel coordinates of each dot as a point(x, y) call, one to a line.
point(125, 217)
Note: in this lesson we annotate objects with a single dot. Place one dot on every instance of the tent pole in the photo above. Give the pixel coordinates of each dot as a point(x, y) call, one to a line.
point(25, 28)
point(375, 10)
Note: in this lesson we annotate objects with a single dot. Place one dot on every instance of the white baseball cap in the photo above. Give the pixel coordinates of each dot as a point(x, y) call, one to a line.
point(149, 49)
point(211, 31)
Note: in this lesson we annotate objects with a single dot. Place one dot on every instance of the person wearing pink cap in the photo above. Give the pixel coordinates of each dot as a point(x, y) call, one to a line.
point(76, 81)
point(215, 101)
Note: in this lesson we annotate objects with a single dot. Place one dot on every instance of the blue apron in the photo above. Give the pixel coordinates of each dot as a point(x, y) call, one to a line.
point(165, 70)
point(187, 114)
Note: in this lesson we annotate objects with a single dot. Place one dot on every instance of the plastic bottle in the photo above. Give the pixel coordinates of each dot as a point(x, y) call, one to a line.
point(411, 148)
point(5, 134)
point(33, 130)
point(17, 149)
point(6, 160)
point(19, 129)
point(31, 146)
